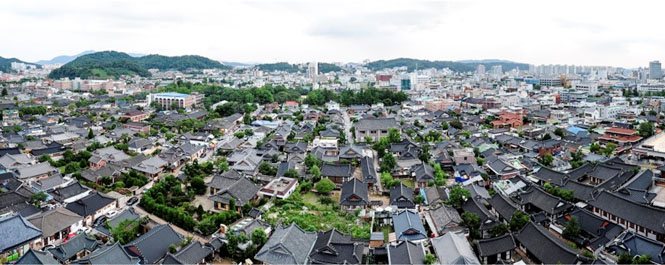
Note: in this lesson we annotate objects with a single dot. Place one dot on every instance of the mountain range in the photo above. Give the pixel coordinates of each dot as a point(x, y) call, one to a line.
point(112, 64)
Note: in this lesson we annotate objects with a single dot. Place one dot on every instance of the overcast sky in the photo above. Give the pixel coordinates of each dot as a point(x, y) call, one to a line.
point(626, 33)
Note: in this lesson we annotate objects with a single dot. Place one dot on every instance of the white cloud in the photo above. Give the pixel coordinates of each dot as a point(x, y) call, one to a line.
point(617, 33)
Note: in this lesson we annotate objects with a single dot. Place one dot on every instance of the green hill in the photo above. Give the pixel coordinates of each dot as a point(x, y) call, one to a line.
point(457, 66)
point(283, 66)
point(6, 64)
point(112, 64)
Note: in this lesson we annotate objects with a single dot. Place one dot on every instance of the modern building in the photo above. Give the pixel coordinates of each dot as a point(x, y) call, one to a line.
point(172, 100)
point(655, 72)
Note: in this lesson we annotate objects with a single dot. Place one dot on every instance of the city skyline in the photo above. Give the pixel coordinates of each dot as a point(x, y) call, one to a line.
point(552, 32)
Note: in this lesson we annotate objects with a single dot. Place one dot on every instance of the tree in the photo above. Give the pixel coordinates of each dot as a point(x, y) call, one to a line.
point(547, 159)
point(444, 126)
point(646, 129)
point(429, 259)
point(267, 169)
point(424, 153)
point(559, 132)
point(324, 186)
point(594, 148)
point(394, 136)
point(388, 162)
point(472, 221)
point(198, 184)
point(457, 124)
point(38, 198)
point(315, 171)
point(291, 173)
point(572, 229)
point(609, 149)
point(547, 136)
point(4, 92)
point(518, 220)
point(458, 195)
point(499, 230)
point(125, 231)
point(90, 133)
point(259, 237)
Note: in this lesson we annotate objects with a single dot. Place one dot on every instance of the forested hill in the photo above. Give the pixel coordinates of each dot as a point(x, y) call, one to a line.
point(112, 64)
point(6, 64)
point(457, 66)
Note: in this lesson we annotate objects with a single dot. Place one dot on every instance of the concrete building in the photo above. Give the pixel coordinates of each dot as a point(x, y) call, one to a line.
point(172, 100)
point(655, 72)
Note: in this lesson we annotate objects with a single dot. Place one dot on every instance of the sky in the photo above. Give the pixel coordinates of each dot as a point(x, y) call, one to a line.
point(615, 33)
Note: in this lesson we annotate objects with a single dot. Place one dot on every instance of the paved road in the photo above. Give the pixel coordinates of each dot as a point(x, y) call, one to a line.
point(158, 220)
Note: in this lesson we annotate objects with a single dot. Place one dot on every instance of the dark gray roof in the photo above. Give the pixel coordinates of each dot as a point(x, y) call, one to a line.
point(548, 175)
point(503, 206)
point(402, 196)
point(354, 193)
point(113, 254)
point(224, 180)
point(78, 243)
point(406, 253)
point(33, 257)
point(368, 169)
point(336, 170)
point(55, 220)
point(544, 201)
point(242, 191)
point(68, 191)
point(90, 204)
point(376, 124)
point(424, 172)
point(642, 215)
point(193, 253)
point(408, 225)
point(445, 217)
point(332, 247)
point(153, 245)
point(127, 214)
point(547, 249)
point(493, 246)
point(634, 244)
point(454, 248)
point(599, 229)
point(16, 231)
point(287, 245)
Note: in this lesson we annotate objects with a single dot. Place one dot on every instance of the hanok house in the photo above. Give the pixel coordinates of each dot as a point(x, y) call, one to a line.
point(338, 173)
point(333, 247)
point(642, 219)
point(402, 197)
point(241, 192)
point(57, 225)
point(494, 250)
point(17, 238)
point(374, 128)
point(354, 195)
point(620, 136)
point(92, 207)
point(542, 247)
point(287, 245)
point(370, 175)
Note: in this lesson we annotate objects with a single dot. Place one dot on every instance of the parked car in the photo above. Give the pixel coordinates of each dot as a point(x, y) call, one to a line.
point(100, 221)
point(132, 201)
point(111, 213)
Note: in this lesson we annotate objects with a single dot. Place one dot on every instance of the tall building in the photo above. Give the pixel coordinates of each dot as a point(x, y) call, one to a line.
point(480, 70)
point(313, 70)
point(655, 72)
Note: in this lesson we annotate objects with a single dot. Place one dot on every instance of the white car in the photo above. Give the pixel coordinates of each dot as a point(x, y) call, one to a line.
point(111, 213)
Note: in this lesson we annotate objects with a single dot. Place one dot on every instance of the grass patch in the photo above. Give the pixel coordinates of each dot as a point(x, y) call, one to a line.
point(308, 213)
point(409, 182)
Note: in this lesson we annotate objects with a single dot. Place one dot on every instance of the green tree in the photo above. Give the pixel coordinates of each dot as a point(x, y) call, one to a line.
point(499, 230)
point(547, 136)
point(429, 259)
point(559, 132)
point(472, 221)
point(458, 195)
point(646, 129)
point(547, 159)
point(518, 220)
point(324, 186)
point(90, 133)
point(4, 92)
point(388, 162)
point(394, 135)
point(315, 171)
point(594, 148)
point(198, 184)
point(609, 149)
point(572, 229)
point(259, 237)
point(125, 231)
